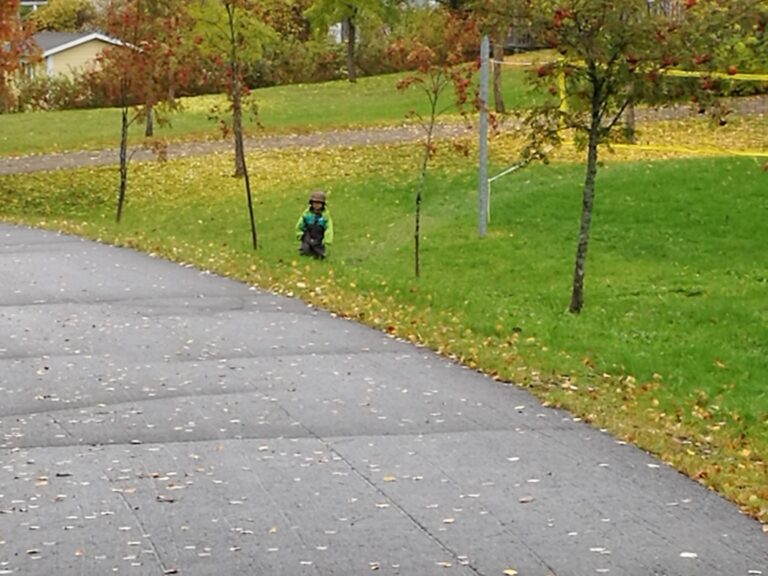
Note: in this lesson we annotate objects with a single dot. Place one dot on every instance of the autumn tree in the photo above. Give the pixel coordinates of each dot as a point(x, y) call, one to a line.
point(613, 55)
point(439, 58)
point(288, 18)
point(232, 34)
point(171, 59)
point(17, 49)
point(293, 56)
point(349, 13)
point(145, 70)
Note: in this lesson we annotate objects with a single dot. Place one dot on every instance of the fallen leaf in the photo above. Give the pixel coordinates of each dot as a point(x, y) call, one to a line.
point(688, 555)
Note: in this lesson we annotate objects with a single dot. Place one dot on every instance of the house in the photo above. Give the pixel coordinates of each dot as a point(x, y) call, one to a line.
point(68, 52)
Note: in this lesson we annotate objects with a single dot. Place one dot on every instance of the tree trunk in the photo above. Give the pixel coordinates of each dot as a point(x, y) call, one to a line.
point(237, 129)
point(241, 170)
point(417, 236)
point(419, 194)
point(149, 128)
point(588, 197)
point(237, 92)
point(247, 180)
point(422, 181)
point(351, 41)
point(498, 57)
point(630, 125)
point(123, 163)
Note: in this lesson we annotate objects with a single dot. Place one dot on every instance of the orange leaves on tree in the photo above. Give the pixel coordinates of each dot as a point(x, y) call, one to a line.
point(17, 48)
point(151, 64)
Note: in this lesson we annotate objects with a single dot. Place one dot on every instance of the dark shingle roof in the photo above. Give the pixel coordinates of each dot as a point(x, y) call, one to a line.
point(48, 40)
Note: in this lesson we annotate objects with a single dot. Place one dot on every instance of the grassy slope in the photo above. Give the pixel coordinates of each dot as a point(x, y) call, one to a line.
point(670, 351)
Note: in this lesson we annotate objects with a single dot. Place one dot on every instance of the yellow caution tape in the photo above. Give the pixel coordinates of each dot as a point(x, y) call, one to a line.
point(725, 75)
point(666, 72)
point(684, 150)
point(714, 151)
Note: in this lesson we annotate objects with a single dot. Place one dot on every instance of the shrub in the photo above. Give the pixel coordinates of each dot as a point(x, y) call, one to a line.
point(291, 62)
point(56, 93)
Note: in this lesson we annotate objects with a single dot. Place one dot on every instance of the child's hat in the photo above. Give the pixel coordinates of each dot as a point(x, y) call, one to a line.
point(317, 196)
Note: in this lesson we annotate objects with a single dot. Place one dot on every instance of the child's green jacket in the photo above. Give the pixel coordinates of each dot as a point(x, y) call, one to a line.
point(309, 218)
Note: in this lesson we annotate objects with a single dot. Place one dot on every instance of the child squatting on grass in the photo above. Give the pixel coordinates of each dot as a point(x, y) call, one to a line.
point(315, 227)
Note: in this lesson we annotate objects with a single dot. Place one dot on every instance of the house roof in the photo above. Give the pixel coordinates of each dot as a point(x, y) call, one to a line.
point(53, 42)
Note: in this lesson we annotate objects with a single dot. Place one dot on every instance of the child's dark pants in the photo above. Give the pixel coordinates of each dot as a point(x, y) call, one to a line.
point(312, 241)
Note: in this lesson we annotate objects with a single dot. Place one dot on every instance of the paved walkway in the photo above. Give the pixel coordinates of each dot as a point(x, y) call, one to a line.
point(155, 419)
point(75, 159)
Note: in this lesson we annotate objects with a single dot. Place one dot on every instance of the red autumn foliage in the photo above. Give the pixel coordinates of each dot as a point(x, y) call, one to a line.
point(17, 48)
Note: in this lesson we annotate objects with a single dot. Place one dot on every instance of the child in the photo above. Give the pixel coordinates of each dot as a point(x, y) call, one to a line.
point(315, 227)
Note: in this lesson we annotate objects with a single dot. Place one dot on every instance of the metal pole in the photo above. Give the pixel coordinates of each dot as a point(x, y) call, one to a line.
point(482, 222)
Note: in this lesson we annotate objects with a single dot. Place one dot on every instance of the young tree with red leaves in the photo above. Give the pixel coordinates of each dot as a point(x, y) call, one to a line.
point(170, 53)
point(17, 49)
point(147, 69)
point(439, 57)
point(613, 55)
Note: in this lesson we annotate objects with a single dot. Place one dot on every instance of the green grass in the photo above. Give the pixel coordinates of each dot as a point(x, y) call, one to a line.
point(670, 352)
point(282, 109)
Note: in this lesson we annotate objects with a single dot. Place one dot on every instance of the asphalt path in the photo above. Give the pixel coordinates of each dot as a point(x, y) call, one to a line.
point(157, 419)
point(748, 106)
point(332, 138)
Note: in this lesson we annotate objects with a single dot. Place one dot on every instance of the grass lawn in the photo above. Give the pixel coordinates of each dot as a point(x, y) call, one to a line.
point(670, 352)
point(282, 109)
